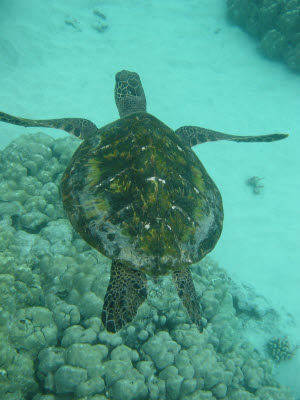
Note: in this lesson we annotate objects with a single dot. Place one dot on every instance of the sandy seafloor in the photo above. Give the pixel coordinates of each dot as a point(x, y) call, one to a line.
point(197, 69)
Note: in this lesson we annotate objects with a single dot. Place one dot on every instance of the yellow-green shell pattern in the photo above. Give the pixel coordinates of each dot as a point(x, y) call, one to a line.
point(138, 194)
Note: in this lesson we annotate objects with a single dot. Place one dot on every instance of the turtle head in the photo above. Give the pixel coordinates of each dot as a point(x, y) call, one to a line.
point(129, 93)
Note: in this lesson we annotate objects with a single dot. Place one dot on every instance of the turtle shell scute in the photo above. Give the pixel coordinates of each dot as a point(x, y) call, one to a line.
point(137, 194)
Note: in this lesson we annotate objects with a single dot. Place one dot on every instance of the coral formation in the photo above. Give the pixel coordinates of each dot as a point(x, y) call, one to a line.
point(280, 349)
point(99, 22)
point(101, 25)
point(254, 182)
point(275, 23)
point(52, 285)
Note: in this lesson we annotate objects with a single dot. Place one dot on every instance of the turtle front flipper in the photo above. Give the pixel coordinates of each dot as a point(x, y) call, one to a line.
point(186, 291)
point(193, 135)
point(79, 127)
point(126, 291)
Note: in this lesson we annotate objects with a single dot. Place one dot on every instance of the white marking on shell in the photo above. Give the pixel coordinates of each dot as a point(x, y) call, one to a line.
point(153, 178)
point(104, 147)
point(182, 212)
point(147, 226)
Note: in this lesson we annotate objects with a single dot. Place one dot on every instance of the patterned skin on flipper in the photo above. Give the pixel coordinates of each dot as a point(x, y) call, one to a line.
point(126, 291)
point(193, 135)
point(79, 127)
point(183, 282)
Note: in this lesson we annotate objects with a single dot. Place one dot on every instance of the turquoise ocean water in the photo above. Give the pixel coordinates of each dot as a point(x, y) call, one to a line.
point(58, 59)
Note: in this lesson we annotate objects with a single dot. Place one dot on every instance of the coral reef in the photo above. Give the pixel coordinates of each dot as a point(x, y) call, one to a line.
point(275, 23)
point(52, 285)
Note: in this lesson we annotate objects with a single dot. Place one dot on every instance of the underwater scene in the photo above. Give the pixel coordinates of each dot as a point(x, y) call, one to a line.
point(139, 261)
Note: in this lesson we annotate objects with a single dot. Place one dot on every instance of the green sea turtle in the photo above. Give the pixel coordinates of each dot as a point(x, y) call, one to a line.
point(136, 192)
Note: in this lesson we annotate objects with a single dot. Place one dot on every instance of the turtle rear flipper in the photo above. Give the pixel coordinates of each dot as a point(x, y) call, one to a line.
point(79, 127)
point(126, 291)
point(186, 291)
point(193, 135)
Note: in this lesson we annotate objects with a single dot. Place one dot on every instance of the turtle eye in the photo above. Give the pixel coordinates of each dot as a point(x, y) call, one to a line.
point(130, 90)
point(133, 82)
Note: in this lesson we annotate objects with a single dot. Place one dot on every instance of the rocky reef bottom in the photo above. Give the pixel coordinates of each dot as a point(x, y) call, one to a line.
point(52, 284)
point(275, 24)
